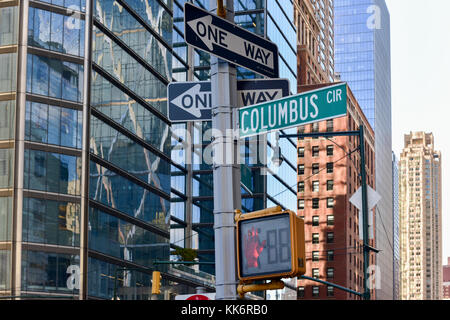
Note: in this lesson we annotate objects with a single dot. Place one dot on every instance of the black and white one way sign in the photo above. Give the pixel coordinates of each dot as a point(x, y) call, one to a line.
point(229, 42)
point(191, 101)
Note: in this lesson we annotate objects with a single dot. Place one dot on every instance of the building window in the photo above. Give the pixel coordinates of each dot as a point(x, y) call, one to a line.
point(53, 125)
point(41, 21)
point(330, 237)
point(330, 291)
point(315, 273)
point(315, 256)
point(330, 185)
point(315, 221)
point(330, 255)
point(301, 187)
point(301, 204)
point(330, 166)
point(330, 273)
point(315, 238)
point(315, 291)
point(315, 127)
point(52, 172)
point(301, 152)
point(330, 220)
point(315, 168)
point(315, 151)
point(54, 78)
point(301, 169)
point(301, 292)
point(315, 203)
point(315, 186)
point(330, 202)
point(301, 130)
point(330, 126)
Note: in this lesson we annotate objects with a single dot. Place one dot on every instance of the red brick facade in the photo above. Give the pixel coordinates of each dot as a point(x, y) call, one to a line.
point(327, 211)
point(446, 280)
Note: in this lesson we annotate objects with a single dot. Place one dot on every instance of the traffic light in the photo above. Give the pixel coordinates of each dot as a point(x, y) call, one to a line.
point(270, 245)
point(156, 282)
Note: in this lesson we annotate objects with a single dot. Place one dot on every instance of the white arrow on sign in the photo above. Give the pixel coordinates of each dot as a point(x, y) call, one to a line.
point(212, 35)
point(192, 101)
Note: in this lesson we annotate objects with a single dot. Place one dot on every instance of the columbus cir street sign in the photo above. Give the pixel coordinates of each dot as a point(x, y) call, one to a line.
point(308, 107)
point(224, 39)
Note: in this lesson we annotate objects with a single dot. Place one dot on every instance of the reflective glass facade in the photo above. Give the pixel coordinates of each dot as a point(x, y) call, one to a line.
point(49, 205)
point(9, 16)
point(99, 197)
point(92, 203)
point(192, 206)
point(129, 171)
point(362, 58)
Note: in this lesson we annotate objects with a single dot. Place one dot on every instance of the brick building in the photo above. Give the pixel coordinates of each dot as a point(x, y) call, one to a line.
point(327, 178)
point(309, 70)
point(446, 281)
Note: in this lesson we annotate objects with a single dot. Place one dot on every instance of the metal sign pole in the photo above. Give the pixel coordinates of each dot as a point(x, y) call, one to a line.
point(226, 171)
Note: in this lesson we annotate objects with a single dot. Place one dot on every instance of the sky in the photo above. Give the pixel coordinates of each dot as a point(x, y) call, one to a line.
point(420, 57)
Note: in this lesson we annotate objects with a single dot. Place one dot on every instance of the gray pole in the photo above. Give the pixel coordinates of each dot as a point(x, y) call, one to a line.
point(226, 170)
point(190, 149)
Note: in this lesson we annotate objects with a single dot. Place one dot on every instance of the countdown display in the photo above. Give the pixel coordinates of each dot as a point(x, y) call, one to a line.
point(270, 245)
point(266, 244)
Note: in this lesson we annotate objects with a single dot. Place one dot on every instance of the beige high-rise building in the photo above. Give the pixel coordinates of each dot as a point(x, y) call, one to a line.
point(420, 198)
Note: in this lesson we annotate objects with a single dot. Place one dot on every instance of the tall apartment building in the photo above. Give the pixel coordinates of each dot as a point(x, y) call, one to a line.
point(446, 281)
point(309, 69)
point(315, 41)
point(328, 175)
point(192, 205)
point(396, 227)
point(420, 218)
point(85, 148)
point(363, 60)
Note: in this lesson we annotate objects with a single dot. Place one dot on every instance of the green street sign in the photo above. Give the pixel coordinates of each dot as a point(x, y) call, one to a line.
point(308, 107)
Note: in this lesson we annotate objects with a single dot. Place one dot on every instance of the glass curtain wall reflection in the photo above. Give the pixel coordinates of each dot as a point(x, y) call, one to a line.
point(96, 160)
point(9, 18)
point(269, 186)
point(129, 187)
point(51, 206)
point(362, 59)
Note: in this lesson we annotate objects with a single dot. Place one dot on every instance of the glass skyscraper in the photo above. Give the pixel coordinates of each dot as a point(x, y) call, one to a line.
point(363, 60)
point(85, 149)
point(265, 185)
point(93, 193)
point(42, 99)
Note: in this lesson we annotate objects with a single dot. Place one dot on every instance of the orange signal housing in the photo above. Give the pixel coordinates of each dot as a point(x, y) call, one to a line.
point(297, 229)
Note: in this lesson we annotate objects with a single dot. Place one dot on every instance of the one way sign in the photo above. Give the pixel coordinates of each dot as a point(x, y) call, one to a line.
point(191, 101)
point(224, 39)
